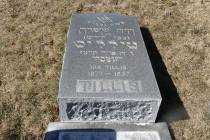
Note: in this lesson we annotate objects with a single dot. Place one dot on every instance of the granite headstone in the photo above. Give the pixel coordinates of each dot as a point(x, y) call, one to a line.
point(106, 73)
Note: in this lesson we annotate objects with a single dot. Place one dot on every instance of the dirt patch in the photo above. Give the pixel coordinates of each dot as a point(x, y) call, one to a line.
point(32, 41)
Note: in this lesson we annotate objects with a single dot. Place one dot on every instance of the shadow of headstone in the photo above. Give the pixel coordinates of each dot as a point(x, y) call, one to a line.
point(172, 108)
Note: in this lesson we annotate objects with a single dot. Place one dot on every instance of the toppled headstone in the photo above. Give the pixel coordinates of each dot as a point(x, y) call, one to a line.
point(106, 73)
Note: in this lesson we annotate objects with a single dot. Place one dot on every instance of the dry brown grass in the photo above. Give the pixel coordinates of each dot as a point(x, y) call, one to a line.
point(32, 41)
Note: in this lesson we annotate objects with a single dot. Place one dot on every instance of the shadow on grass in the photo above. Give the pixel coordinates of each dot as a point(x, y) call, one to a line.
point(172, 108)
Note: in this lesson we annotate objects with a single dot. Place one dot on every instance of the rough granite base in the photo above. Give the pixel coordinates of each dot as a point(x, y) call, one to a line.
point(74, 110)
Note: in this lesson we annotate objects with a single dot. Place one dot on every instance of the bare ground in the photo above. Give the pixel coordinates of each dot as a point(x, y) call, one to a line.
point(32, 41)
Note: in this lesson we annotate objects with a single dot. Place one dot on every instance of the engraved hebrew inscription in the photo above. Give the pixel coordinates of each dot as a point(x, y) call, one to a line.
point(108, 43)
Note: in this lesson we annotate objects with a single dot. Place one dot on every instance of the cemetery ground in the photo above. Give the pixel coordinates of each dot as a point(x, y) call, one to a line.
point(32, 42)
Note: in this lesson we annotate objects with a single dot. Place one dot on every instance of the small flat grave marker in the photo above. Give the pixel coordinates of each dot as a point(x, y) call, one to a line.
point(106, 131)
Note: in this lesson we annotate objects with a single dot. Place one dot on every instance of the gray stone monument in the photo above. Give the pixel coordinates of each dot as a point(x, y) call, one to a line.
point(107, 89)
point(106, 73)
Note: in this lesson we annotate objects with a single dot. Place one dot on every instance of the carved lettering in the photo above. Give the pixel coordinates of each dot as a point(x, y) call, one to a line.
point(108, 86)
point(79, 44)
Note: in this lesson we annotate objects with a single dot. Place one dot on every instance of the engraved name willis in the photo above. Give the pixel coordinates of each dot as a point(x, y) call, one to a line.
point(108, 86)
